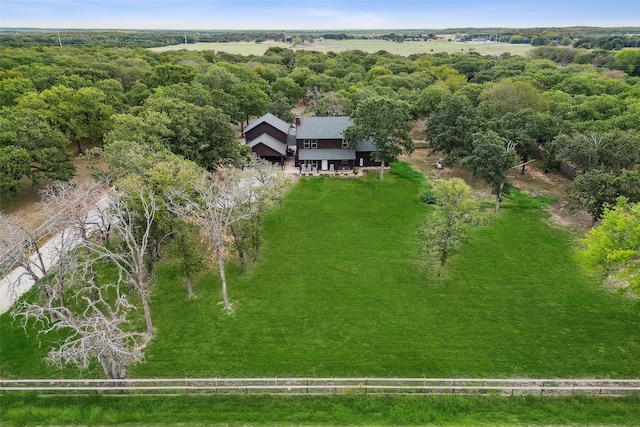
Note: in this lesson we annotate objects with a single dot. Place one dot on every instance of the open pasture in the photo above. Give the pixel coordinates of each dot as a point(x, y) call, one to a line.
point(339, 291)
point(370, 46)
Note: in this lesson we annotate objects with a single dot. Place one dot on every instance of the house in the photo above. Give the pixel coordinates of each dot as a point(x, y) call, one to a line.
point(269, 138)
point(320, 145)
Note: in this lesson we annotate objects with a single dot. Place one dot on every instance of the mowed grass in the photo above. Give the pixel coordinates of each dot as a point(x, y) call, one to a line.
point(26, 409)
point(339, 291)
point(369, 46)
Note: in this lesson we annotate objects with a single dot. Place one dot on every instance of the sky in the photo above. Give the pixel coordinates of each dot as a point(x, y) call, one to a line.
point(315, 15)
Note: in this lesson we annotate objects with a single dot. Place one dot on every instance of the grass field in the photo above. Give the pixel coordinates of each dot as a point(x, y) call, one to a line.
point(198, 410)
point(370, 46)
point(339, 291)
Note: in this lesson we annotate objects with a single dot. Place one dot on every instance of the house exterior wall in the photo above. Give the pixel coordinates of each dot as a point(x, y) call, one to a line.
point(264, 151)
point(366, 159)
point(269, 154)
point(268, 129)
point(322, 143)
point(339, 165)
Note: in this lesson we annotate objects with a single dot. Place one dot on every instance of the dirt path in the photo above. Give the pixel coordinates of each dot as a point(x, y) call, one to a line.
point(25, 209)
point(535, 182)
point(18, 281)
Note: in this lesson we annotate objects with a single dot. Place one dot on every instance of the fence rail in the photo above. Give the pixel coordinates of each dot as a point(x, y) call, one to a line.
point(323, 386)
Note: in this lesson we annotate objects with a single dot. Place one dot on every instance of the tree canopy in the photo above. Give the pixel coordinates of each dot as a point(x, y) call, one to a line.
point(387, 123)
point(612, 249)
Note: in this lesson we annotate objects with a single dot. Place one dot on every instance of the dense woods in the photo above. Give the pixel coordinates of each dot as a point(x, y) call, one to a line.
point(560, 103)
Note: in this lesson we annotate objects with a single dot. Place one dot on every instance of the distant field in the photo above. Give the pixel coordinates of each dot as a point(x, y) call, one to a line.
point(371, 46)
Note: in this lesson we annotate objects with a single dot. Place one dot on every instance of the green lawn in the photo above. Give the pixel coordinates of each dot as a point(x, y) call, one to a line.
point(339, 291)
point(370, 46)
point(20, 409)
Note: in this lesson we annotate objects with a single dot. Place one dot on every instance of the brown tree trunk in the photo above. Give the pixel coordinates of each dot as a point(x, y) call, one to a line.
point(499, 197)
point(525, 159)
point(382, 169)
point(77, 140)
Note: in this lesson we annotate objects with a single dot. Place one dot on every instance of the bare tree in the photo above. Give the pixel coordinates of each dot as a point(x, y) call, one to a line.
point(219, 201)
point(27, 256)
point(131, 216)
point(94, 314)
point(22, 260)
point(75, 206)
point(269, 184)
point(95, 320)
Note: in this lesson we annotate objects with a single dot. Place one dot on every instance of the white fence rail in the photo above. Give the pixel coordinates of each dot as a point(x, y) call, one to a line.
point(323, 386)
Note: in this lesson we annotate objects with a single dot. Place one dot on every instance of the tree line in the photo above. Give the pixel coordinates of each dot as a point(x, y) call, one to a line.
point(578, 37)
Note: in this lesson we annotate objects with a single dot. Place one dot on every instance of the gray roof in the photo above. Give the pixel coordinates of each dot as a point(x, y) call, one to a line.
point(274, 121)
point(291, 137)
point(365, 146)
point(326, 154)
point(270, 142)
point(322, 127)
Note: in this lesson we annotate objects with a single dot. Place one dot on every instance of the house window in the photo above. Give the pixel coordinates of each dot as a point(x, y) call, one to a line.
point(345, 162)
point(310, 143)
point(345, 143)
point(307, 143)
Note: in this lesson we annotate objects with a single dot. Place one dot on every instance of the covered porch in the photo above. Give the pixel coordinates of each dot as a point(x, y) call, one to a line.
point(326, 160)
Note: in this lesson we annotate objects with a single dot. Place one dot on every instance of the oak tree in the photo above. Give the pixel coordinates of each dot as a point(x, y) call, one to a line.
point(386, 123)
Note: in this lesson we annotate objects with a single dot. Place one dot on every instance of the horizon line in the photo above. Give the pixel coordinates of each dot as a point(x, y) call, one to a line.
point(2, 29)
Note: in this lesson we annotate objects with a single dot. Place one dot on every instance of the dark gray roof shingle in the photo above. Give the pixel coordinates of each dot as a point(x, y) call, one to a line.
point(274, 121)
point(322, 127)
point(270, 142)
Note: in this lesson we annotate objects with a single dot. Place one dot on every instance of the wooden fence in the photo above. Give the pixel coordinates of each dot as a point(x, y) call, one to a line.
point(324, 386)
